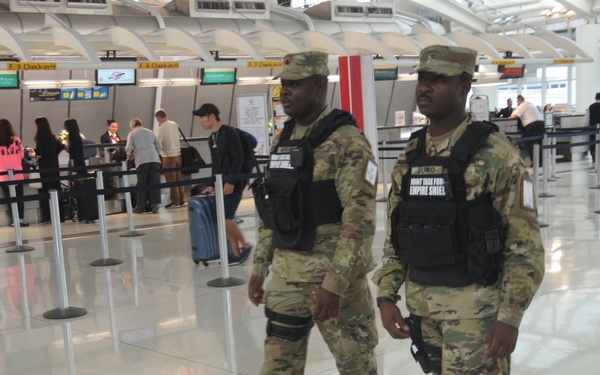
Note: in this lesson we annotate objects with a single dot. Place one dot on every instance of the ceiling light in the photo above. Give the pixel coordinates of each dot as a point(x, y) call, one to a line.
point(184, 81)
point(40, 84)
point(153, 82)
point(489, 84)
point(407, 77)
point(77, 83)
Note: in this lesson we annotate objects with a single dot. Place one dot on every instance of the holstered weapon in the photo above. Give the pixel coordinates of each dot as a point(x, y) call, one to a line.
point(417, 347)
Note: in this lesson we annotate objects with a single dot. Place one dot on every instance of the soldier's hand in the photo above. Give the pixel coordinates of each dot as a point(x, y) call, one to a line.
point(327, 305)
point(255, 289)
point(501, 340)
point(392, 320)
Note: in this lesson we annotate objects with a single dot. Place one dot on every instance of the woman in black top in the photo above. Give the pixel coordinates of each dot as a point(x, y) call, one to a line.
point(47, 148)
point(76, 159)
point(75, 145)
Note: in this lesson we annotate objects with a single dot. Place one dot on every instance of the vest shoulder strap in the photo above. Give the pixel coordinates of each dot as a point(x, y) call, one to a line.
point(323, 130)
point(471, 141)
point(420, 135)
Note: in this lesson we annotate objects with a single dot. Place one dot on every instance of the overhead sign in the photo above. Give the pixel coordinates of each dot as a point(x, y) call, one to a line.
point(564, 61)
point(30, 66)
point(158, 65)
point(503, 62)
point(265, 64)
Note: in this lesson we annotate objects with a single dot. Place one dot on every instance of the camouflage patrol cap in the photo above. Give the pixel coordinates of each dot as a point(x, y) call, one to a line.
point(447, 60)
point(303, 65)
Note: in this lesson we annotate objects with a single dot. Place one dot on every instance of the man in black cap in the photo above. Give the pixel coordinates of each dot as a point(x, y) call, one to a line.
point(227, 158)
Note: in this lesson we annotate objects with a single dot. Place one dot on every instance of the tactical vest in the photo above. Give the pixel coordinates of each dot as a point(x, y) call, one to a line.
point(445, 239)
point(289, 202)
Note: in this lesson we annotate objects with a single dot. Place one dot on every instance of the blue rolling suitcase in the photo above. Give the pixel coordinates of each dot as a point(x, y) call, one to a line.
point(204, 236)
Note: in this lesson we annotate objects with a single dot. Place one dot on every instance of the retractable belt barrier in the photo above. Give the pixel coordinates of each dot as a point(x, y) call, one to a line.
point(64, 310)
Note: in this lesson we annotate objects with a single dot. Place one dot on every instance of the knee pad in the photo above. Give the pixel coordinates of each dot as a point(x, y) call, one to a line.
point(294, 328)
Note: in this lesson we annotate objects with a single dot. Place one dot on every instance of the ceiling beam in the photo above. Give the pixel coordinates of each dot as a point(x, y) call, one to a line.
point(581, 7)
point(455, 12)
point(11, 41)
point(319, 41)
point(358, 43)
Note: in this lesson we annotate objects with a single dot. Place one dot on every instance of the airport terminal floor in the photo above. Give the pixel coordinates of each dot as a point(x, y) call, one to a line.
point(155, 314)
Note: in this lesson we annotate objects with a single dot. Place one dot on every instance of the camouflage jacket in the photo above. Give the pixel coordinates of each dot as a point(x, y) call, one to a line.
point(342, 251)
point(497, 168)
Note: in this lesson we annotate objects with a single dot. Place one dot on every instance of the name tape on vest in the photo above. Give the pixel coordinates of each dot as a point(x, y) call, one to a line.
point(427, 170)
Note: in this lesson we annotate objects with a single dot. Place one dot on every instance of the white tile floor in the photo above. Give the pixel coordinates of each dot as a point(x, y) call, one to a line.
point(154, 313)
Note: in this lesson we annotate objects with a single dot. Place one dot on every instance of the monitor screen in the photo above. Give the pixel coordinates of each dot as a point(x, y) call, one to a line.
point(511, 71)
point(218, 76)
point(9, 79)
point(116, 76)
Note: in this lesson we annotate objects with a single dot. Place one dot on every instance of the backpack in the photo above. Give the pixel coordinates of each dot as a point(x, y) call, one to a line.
point(249, 142)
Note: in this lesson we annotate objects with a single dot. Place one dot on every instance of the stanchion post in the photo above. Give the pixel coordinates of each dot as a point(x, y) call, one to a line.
point(383, 171)
point(106, 260)
point(128, 206)
point(597, 164)
point(24, 289)
point(12, 190)
point(553, 176)
point(225, 280)
point(536, 171)
point(536, 168)
point(64, 311)
point(597, 146)
point(546, 167)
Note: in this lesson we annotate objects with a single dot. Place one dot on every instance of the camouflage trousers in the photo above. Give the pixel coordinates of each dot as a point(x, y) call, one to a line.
point(351, 337)
point(463, 346)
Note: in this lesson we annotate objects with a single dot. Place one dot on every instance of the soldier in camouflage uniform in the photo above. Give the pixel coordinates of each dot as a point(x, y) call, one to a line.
point(327, 284)
point(470, 329)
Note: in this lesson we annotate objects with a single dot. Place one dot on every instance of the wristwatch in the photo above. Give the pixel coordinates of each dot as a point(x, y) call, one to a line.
point(380, 300)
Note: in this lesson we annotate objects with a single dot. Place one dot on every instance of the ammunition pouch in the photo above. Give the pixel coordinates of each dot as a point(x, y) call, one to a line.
point(276, 204)
point(287, 327)
point(424, 233)
point(485, 244)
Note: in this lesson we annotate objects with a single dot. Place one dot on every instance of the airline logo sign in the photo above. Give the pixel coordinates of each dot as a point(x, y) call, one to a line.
point(158, 65)
point(265, 64)
point(30, 66)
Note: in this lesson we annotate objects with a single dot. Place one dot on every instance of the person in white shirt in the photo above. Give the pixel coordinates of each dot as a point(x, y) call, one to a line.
point(168, 135)
point(532, 122)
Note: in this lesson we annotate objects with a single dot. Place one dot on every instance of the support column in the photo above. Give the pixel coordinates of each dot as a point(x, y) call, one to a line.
point(588, 74)
point(357, 93)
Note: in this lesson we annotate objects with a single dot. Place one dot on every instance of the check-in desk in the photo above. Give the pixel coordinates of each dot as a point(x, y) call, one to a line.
point(567, 121)
point(113, 203)
point(507, 125)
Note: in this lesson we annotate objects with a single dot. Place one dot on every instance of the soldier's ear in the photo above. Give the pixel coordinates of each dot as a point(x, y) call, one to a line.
point(321, 88)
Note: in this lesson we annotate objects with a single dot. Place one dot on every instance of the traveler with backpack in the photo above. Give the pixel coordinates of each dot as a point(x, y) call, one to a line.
point(227, 155)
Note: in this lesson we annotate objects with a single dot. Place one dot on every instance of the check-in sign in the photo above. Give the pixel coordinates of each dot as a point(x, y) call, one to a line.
point(265, 64)
point(30, 66)
point(158, 65)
